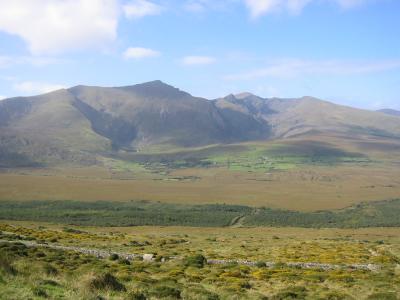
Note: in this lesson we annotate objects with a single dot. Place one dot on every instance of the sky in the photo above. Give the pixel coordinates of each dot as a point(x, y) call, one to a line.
point(344, 51)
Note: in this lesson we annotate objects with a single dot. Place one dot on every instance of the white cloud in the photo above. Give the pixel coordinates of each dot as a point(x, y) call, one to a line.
point(297, 67)
point(258, 8)
point(2, 97)
point(35, 87)
point(199, 6)
point(139, 52)
point(140, 8)
point(53, 26)
point(198, 60)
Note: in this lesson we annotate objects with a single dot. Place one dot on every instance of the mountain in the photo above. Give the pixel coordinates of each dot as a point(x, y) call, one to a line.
point(84, 123)
point(391, 112)
point(291, 117)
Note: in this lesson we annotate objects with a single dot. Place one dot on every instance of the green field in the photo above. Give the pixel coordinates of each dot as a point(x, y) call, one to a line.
point(320, 173)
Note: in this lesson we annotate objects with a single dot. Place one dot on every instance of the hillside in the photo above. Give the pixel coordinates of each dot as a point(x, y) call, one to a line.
point(82, 124)
point(391, 112)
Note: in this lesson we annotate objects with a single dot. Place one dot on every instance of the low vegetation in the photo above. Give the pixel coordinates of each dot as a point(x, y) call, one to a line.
point(42, 272)
point(138, 213)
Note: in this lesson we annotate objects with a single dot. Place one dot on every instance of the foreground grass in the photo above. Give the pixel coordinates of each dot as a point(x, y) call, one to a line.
point(37, 273)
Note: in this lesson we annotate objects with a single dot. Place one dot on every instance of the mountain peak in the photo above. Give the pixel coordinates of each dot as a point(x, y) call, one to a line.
point(151, 84)
point(244, 95)
point(156, 88)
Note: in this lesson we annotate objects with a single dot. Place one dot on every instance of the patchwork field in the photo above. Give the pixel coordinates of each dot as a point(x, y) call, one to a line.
point(321, 173)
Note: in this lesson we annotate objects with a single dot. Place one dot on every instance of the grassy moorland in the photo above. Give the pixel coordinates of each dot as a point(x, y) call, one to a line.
point(321, 173)
point(287, 220)
point(180, 269)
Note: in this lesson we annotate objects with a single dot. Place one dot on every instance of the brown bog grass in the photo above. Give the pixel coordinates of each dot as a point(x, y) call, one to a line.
point(306, 189)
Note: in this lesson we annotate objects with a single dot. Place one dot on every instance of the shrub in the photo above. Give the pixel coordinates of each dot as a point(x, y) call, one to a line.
point(383, 296)
point(124, 262)
point(6, 265)
point(163, 291)
point(261, 264)
point(336, 296)
point(38, 291)
point(199, 293)
point(49, 282)
point(40, 254)
point(106, 282)
point(50, 270)
point(297, 292)
point(197, 261)
point(114, 256)
point(72, 230)
point(136, 295)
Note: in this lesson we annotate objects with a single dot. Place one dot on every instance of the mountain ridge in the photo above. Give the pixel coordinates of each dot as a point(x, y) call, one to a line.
point(390, 111)
point(82, 123)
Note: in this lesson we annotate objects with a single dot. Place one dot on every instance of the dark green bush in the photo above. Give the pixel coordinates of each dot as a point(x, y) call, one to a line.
point(197, 261)
point(164, 291)
point(106, 282)
point(40, 254)
point(297, 292)
point(136, 295)
point(39, 292)
point(124, 262)
point(114, 256)
point(261, 264)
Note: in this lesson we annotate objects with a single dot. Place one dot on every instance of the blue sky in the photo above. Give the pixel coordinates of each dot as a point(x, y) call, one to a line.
point(345, 51)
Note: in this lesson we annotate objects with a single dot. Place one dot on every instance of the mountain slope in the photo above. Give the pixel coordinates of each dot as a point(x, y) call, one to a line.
point(291, 117)
point(391, 112)
point(156, 113)
point(82, 124)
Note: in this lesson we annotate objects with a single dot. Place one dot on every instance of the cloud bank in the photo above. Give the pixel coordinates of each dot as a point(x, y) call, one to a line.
point(140, 8)
point(258, 8)
point(56, 26)
point(297, 67)
point(35, 87)
point(53, 26)
point(139, 52)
